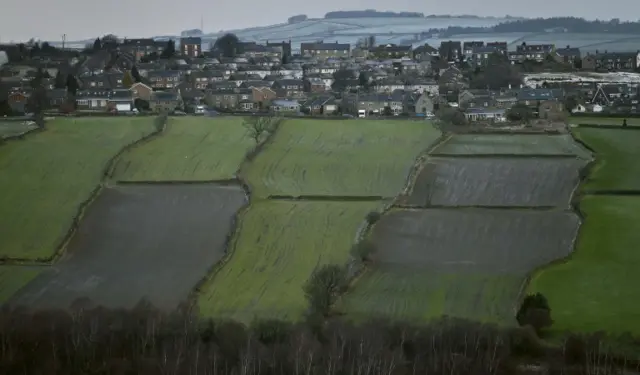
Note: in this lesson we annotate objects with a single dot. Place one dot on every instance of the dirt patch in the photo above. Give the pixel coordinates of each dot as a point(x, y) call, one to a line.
point(496, 182)
point(140, 241)
point(475, 240)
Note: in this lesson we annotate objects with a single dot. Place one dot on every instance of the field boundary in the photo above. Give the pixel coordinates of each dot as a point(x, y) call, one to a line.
point(479, 207)
point(505, 156)
point(328, 198)
point(613, 127)
point(223, 182)
point(108, 168)
point(21, 136)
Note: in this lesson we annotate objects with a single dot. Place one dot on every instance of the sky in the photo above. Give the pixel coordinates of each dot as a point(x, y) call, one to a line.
point(86, 19)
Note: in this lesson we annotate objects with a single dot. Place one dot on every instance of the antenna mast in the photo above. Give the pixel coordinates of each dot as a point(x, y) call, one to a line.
point(202, 24)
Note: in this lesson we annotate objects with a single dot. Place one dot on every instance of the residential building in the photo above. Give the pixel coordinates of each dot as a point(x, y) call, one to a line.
point(468, 47)
point(450, 50)
point(485, 114)
point(479, 56)
point(164, 79)
point(284, 106)
point(391, 51)
point(501, 47)
point(325, 50)
point(142, 47)
point(537, 52)
point(567, 55)
point(165, 101)
point(191, 46)
point(608, 62)
point(289, 88)
point(141, 91)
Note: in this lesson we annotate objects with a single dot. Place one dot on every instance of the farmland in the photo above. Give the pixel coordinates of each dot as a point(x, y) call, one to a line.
point(596, 289)
point(46, 178)
point(339, 158)
point(140, 241)
point(12, 278)
point(510, 145)
point(500, 182)
point(617, 166)
point(191, 149)
point(604, 121)
point(279, 245)
point(462, 262)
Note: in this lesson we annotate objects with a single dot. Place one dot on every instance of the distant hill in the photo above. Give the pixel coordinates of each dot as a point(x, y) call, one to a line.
point(370, 13)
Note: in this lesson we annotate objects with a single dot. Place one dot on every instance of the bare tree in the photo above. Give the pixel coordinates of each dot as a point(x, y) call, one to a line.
point(259, 127)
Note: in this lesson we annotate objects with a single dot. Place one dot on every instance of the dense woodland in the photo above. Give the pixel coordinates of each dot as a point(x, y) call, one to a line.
point(94, 340)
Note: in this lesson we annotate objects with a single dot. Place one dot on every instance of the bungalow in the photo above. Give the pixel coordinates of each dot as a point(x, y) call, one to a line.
point(288, 106)
point(485, 114)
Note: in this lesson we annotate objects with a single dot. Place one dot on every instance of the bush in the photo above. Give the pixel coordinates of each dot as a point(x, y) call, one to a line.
point(324, 286)
point(373, 217)
point(363, 250)
point(271, 331)
point(535, 312)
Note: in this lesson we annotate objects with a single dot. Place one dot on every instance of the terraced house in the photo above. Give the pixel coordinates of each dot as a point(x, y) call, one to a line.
point(326, 50)
point(164, 79)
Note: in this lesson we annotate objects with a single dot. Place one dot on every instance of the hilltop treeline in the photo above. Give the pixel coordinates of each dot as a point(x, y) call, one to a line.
point(369, 13)
point(95, 340)
point(555, 24)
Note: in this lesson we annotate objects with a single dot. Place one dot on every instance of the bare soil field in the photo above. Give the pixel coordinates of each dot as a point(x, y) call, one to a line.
point(513, 145)
point(496, 182)
point(137, 241)
point(458, 261)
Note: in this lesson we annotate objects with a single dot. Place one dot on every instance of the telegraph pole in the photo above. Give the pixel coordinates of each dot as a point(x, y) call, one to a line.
point(64, 39)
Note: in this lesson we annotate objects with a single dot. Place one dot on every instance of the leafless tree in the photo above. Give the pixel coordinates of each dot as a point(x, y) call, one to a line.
point(259, 127)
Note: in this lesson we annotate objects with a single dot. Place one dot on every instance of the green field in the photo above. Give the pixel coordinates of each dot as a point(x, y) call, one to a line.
point(348, 158)
point(279, 245)
point(44, 179)
point(12, 128)
point(597, 289)
point(618, 152)
point(13, 278)
point(499, 144)
point(423, 294)
point(191, 149)
point(631, 121)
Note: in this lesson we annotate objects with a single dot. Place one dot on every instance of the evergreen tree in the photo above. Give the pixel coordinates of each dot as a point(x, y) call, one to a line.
point(127, 80)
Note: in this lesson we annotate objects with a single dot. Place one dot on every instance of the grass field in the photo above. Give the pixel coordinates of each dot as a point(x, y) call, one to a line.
point(422, 294)
point(191, 149)
point(44, 179)
point(11, 128)
point(350, 158)
point(597, 289)
point(279, 245)
point(13, 278)
point(631, 121)
point(500, 144)
point(618, 152)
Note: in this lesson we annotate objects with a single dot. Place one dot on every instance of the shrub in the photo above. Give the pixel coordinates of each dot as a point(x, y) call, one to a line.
point(535, 312)
point(373, 217)
point(270, 331)
point(363, 250)
point(324, 286)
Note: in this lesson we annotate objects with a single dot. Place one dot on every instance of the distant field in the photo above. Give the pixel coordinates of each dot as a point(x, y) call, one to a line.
point(499, 182)
point(631, 121)
point(280, 244)
point(617, 158)
point(191, 149)
point(500, 144)
point(461, 262)
point(45, 179)
point(597, 288)
point(350, 158)
point(11, 128)
point(12, 278)
point(154, 242)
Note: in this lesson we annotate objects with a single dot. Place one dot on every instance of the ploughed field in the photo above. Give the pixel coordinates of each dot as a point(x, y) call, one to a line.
point(45, 178)
point(339, 158)
point(154, 242)
point(191, 149)
point(596, 288)
point(478, 145)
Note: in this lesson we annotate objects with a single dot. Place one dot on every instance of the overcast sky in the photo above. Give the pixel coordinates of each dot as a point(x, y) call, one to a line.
point(82, 19)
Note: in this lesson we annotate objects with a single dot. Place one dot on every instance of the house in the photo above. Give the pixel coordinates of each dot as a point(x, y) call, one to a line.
point(284, 48)
point(612, 62)
point(606, 95)
point(424, 53)
point(452, 79)
point(485, 114)
point(262, 96)
point(537, 52)
point(476, 99)
point(120, 101)
point(92, 100)
point(191, 46)
point(391, 51)
point(319, 105)
point(542, 101)
point(141, 91)
point(286, 106)
point(500, 47)
point(222, 99)
point(191, 96)
point(468, 47)
point(18, 101)
point(164, 79)
point(374, 103)
point(165, 101)
point(505, 100)
point(56, 97)
point(314, 85)
point(142, 47)
point(479, 56)
point(450, 50)
point(325, 50)
point(567, 55)
point(203, 78)
point(259, 50)
point(424, 104)
point(289, 88)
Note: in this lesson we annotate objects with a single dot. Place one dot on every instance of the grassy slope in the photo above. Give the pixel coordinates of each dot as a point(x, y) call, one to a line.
point(192, 149)
point(597, 288)
point(498, 144)
point(11, 128)
point(313, 157)
point(422, 294)
point(618, 152)
point(13, 278)
point(44, 179)
point(279, 246)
